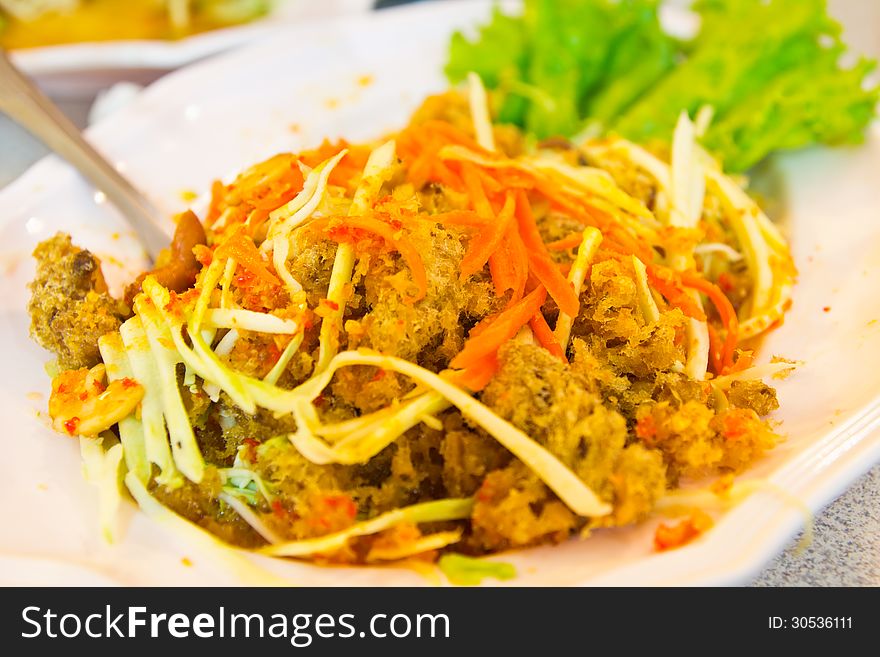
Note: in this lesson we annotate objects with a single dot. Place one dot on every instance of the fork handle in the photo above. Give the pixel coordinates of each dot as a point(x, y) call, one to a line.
point(24, 103)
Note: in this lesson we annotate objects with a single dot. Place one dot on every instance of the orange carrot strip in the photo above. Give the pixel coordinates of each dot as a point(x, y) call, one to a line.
point(217, 189)
point(667, 283)
point(453, 134)
point(341, 230)
point(573, 241)
point(490, 184)
point(540, 262)
point(725, 311)
point(474, 186)
point(479, 374)
point(483, 245)
point(501, 269)
point(242, 249)
point(445, 175)
point(458, 218)
point(502, 329)
point(545, 336)
point(716, 350)
point(520, 258)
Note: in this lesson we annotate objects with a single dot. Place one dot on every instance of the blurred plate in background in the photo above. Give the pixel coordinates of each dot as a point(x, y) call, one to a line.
point(79, 70)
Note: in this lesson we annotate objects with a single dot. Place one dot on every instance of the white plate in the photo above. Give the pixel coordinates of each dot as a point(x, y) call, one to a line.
point(212, 119)
point(81, 69)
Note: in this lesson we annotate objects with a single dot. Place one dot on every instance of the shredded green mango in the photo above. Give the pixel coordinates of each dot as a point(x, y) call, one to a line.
point(467, 571)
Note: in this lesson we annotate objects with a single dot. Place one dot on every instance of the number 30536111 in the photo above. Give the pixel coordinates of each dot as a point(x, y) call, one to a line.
point(810, 623)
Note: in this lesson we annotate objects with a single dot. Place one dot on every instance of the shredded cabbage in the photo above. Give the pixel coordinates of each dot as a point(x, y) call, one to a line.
point(227, 557)
point(576, 276)
point(421, 545)
point(687, 180)
point(776, 369)
point(378, 169)
point(131, 431)
point(360, 445)
point(743, 213)
point(283, 360)
point(101, 469)
point(227, 343)
point(283, 220)
point(468, 571)
point(251, 518)
point(570, 489)
point(237, 318)
point(184, 447)
point(145, 371)
point(647, 304)
point(479, 104)
point(437, 511)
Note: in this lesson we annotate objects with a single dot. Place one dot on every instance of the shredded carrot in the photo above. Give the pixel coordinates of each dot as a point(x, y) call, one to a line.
point(474, 185)
point(502, 329)
point(745, 360)
point(344, 229)
point(725, 311)
point(716, 350)
point(453, 134)
point(447, 176)
point(349, 168)
point(573, 241)
point(519, 256)
point(485, 243)
point(545, 336)
point(668, 537)
point(489, 183)
point(478, 375)
point(242, 249)
point(458, 218)
point(501, 269)
point(420, 169)
point(217, 190)
point(667, 283)
point(540, 262)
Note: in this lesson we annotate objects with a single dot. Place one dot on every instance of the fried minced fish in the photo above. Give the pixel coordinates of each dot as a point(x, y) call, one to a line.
point(70, 307)
point(452, 275)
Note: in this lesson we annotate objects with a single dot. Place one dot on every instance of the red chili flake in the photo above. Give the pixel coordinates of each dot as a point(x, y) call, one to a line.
point(249, 453)
point(484, 494)
point(827, 309)
point(343, 503)
point(62, 388)
point(279, 510)
point(129, 383)
point(273, 353)
point(100, 387)
point(71, 425)
point(646, 428)
point(83, 396)
point(379, 375)
point(330, 304)
point(320, 400)
point(725, 282)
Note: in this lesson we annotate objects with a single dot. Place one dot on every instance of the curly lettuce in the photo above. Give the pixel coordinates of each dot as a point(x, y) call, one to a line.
point(771, 70)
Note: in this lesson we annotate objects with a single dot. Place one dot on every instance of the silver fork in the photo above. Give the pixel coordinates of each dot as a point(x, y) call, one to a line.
point(25, 104)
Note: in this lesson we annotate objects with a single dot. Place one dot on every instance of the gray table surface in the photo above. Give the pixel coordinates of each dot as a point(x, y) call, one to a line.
point(845, 550)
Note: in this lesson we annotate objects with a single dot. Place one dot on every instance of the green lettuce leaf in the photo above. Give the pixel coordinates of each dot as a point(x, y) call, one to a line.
point(467, 571)
point(770, 69)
